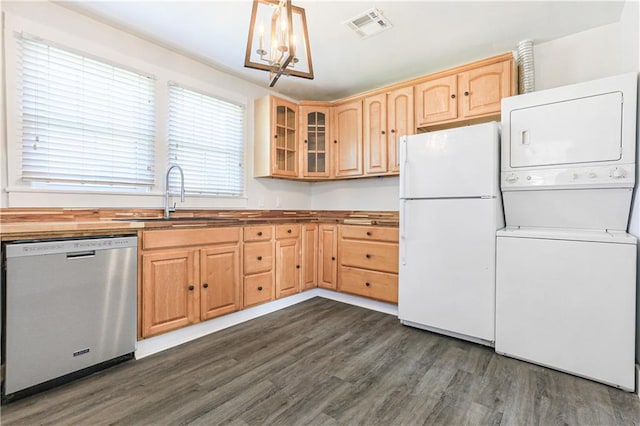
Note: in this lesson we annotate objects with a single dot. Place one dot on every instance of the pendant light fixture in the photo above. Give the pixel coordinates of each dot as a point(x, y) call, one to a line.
point(278, 40)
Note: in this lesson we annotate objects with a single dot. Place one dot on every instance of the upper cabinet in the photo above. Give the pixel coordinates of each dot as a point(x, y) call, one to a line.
point(470, 92)
point(347, 139)
point(315, 146)
point(387, 117)
point(276, 138)
point(359, 136)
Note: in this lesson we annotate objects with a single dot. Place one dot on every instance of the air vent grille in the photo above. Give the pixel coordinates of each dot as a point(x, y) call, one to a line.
point(368, 23)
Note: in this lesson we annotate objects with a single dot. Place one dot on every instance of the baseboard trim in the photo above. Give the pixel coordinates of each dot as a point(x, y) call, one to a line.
point(153, 345)
point(638, 380)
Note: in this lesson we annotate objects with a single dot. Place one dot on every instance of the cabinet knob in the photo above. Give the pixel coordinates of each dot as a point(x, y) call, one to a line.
point(205, 285)
point(466, 93)
point(259, 257)
point(260, 234)
point(288, 231)
point(305, 141)
point(333, 258)
point(275, 136)
point(367, 284)
point(393, 130)
point(259, 288)
point(368, 256)
point(297, 266)
point(383, 132)
point(191, 287)
point(368, 233)
point(453, 96)
point(335, 141)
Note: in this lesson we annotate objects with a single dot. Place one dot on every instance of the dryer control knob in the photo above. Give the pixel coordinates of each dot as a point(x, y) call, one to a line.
point(593, 175)
point(618, 173)
point(511, 178)
point(574, 175)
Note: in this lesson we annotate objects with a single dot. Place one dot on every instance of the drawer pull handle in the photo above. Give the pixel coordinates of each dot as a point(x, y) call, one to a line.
point(367, 284)
point(259, 257)
point(288, 231)
point(205, 285)
point(368, 256)
point(260, 234)
point(191, 287)
point(259, 288)
point(368, 233)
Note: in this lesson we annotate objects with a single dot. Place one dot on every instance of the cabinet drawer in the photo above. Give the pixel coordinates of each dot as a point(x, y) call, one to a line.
point(370, 233)
point(369, 255)
point(376, 285)
point(258, 233)
point(287, 231)
point(258, 289)
point(188, 237)
point(258, 257)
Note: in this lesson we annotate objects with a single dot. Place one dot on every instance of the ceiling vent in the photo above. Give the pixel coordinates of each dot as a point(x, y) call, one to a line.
point(368, 23)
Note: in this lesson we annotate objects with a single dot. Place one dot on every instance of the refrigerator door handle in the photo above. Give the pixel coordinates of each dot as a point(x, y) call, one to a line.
point(404, 169)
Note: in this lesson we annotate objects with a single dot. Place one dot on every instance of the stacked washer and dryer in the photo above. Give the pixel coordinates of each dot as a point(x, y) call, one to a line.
point(566, 267)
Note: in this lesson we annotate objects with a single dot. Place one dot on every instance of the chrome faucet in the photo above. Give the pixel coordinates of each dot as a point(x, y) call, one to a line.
point(168, 210)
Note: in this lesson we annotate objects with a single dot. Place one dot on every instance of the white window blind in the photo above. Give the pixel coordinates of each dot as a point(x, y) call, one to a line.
point(206, 138)
point(83, 121)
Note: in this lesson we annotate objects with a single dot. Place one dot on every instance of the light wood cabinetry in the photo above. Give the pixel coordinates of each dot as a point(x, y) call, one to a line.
point(258, 265)
point(287, 255)
point(387, 117)
point(315, 145)
point(309, 274)
point(347, 139)
point(400, 122)
point(188, 276)
point(369, 262)
point(276, 138)
point(328, 256)
point(466, 93)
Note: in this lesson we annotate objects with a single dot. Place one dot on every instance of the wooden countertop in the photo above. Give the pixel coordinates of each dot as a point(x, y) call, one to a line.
point(61, 223)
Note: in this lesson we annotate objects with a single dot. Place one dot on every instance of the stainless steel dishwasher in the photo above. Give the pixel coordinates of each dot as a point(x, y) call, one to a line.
point(69, 309)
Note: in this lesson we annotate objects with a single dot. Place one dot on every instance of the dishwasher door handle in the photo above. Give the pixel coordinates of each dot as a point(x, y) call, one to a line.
point(81, 254)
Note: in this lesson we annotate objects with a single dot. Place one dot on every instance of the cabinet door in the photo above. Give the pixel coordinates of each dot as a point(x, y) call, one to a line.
point(482, 89)
point(375, 134)
point(436, 100)
point(285, 143)
point(327, 256)
point(287, 267)
point(400, 123)
point(170, 295)
point(347, 139)
point(220, 280)
point(314, 129)
point(309, 256)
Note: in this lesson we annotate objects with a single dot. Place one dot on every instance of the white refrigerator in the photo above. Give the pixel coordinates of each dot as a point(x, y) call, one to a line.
point(450, 209)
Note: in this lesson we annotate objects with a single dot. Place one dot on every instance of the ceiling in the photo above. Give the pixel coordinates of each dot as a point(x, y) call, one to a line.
point(427, 36)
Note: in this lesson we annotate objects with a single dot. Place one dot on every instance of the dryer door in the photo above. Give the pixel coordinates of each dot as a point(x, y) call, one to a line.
point(575, 131)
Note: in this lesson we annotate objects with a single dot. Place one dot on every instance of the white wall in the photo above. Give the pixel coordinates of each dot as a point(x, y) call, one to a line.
point(55, 23)
point(359, 194)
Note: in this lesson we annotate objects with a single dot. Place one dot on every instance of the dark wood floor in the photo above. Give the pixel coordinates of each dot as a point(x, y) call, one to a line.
point(324, 362)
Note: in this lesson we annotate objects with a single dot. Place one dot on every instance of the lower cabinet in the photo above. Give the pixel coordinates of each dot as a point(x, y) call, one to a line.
point(309, 266)
point(328, 256)
point(287, 260)
point(258, 261)
point(183, 285)
point(192, 275)
point(369, 262)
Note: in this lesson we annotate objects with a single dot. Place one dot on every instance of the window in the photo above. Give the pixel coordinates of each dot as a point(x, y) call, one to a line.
point(84, 123)
point(206, 138)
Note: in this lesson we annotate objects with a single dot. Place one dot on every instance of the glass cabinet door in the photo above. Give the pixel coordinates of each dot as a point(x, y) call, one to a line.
point(316, 152)
point(285, 139)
